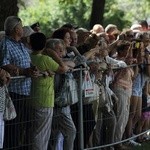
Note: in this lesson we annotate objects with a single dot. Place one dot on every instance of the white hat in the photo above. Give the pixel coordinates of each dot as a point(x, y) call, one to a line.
point(27, 31)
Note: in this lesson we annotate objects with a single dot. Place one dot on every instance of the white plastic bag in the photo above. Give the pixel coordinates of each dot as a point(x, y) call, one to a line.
point(90, 89)
point(10, 111)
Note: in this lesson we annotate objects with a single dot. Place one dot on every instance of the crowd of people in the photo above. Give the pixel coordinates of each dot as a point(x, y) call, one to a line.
point(34, 68)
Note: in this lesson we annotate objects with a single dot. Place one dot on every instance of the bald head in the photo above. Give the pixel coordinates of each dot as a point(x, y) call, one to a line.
point(97, 28)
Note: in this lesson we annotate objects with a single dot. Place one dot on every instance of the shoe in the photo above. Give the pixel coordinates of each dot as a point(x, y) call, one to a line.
point(133, 143)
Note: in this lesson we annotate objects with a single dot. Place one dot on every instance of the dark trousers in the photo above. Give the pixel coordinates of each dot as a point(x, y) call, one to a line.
point(88, 123)
point(17, 130)
point(105, 127)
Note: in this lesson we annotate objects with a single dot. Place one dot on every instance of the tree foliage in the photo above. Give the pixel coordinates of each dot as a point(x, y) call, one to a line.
point(114, 15)
point(47, 13)
point(54, 13)
point(135, 9)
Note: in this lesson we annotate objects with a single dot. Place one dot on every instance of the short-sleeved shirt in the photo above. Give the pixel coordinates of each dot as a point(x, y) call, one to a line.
point(42, 89)
point(15, 53)
point(139, 82)
point(123, 78)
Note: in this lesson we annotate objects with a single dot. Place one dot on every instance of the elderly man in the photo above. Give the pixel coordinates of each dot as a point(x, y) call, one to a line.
point(16, 60)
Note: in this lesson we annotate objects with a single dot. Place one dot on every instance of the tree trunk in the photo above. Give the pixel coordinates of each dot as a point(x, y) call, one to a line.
point(7, 8)
point(97, 12)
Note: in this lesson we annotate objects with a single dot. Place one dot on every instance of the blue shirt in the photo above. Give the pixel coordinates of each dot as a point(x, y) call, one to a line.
point(15, 53)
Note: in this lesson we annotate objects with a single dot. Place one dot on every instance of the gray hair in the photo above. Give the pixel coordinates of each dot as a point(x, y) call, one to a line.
point(51, 43)
point(10, 23)
point(110, 27)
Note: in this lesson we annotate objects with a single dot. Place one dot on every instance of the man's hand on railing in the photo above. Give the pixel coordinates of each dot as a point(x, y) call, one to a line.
point(33, 71)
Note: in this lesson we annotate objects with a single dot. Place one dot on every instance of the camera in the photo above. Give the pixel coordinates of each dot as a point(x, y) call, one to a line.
point(136, 43)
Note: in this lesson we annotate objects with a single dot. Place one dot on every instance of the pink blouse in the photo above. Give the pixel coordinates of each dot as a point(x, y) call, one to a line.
point(123, 78)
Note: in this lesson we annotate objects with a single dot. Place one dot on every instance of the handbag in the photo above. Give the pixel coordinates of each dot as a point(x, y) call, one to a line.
point(9, 112)
point(90, 89)
point(68, 94)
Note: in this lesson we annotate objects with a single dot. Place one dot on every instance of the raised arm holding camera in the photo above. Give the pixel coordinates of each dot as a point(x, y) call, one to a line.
point(139, 46)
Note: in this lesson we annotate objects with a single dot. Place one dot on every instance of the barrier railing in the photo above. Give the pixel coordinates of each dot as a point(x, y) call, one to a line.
point(81, 127)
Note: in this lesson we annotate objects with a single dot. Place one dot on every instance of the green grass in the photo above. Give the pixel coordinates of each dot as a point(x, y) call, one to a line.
point(145, 146)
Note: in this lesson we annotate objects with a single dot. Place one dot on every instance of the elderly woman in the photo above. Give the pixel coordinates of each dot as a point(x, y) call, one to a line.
point(64, 129)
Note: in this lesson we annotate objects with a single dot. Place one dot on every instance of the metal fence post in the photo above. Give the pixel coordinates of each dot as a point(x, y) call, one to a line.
point(81, 133)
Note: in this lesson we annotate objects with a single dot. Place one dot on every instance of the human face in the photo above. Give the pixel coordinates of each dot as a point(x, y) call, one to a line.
point(103, 49)
point(60, 50)
point(67, 39)
point(74, 38)
point(19, 29)
point(124, 52)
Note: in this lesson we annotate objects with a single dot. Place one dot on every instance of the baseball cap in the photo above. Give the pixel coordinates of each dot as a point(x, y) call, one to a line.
point(27, 31)
point(37, 24)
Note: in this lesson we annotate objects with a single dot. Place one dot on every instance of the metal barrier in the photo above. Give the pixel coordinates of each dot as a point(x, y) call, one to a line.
point(80, 117)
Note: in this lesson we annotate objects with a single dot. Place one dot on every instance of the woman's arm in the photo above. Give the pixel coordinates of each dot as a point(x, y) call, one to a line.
point(53, 55)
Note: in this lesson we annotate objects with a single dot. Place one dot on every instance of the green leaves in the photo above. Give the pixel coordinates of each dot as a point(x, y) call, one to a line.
point(54, 13)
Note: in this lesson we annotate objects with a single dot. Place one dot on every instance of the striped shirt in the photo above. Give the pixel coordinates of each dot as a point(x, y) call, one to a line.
point(16, 53)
